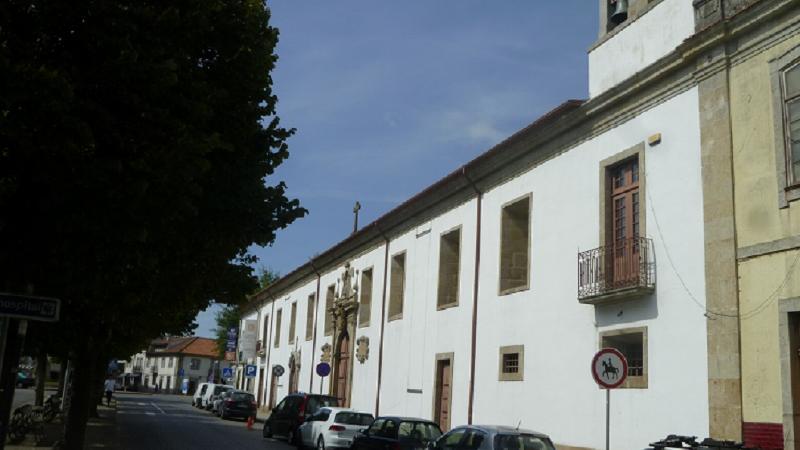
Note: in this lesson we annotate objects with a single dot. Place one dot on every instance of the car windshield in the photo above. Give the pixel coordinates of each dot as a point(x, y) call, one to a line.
point(353, 418)
point(420, 431)
point(218, 389)
point(240, 396)
point(521, 442)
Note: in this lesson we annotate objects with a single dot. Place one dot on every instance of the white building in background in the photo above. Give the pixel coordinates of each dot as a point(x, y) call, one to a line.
point(169, 361)
point(603, 223)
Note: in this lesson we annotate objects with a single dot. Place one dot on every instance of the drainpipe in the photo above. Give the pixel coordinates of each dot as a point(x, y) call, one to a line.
point(315, 325)
point(383, 310)
point(479, 201)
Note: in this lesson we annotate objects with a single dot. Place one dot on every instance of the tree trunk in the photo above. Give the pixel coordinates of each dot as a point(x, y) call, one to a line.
point(78, 411)
point(99, 377)
point(62, 374)
point(41, 376)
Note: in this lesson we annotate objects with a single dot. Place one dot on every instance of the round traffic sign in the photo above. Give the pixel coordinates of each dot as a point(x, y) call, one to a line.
point(277, 370)
point(323, 369)
point(609, 368)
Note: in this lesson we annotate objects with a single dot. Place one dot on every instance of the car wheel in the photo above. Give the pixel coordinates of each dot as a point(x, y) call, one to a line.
point(267, 432)
point(320, 443)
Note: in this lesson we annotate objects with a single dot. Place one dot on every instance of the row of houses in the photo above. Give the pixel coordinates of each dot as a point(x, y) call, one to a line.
point(659, 217)
point(172, 364)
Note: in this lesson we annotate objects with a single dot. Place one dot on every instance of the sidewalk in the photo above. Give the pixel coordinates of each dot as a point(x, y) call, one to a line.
point(101, 432)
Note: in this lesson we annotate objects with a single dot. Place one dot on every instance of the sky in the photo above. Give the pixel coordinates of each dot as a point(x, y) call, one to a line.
point(390, 96)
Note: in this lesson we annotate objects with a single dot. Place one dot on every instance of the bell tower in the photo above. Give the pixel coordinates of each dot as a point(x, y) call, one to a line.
point(634, 34)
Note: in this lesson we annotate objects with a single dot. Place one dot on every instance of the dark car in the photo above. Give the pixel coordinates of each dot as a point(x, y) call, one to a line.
point(292, 411)
point(398, 433)
point(25, 380)
point(485, 437)
point(237, 404)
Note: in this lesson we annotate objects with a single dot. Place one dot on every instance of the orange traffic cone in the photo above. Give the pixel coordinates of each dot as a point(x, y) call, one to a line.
point(250, 421)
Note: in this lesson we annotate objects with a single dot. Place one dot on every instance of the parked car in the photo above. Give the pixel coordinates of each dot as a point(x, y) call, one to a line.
point(332, 428)
point(212, 392)
point(480, 437)
point(220, 398)
point(199, 393)
point(25, 379)
point(397, 433)
point(217, 398)
point(292, 411)
point(237, 404)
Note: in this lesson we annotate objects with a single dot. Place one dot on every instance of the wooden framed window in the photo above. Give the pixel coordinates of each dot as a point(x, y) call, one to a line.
point(512, 363)
point(310, 317)
point(791, 117)
point(397, 286)
point(365, 298)
point(623, 266)
point(632, 343)
point(293, 323)
point(329, 296)
point(449, 265)
point(515, 246)
point(278, 317)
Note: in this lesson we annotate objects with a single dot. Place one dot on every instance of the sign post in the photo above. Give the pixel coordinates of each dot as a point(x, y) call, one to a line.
point(323, 370)
point(609, 370)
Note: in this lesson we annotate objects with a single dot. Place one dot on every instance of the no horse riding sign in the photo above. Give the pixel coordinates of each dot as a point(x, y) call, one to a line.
point(609, 368)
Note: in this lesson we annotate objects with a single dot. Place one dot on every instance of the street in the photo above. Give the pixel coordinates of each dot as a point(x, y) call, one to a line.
point(171, 422)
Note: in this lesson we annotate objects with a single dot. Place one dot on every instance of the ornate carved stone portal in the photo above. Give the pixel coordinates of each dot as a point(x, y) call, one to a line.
point(362, 349)
point(344, 312)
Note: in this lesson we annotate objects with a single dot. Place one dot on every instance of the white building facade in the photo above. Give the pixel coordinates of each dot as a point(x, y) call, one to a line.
point(483, 299)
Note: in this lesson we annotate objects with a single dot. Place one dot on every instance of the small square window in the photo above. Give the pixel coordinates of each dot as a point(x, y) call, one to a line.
point(512, 363)
point(632, 343)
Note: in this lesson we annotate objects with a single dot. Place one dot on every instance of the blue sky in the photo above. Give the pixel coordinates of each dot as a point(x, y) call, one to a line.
point(390, 96)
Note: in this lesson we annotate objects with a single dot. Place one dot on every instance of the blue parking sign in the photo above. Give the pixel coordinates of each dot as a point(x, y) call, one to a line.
point(227, 372)
point(250, 371)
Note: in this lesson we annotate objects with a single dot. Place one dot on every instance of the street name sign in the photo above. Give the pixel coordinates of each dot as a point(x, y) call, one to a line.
point(44, 309)
point(227, 372)
point(323, 369)
point(609, 368)
point(250, 370)
point(277, 370)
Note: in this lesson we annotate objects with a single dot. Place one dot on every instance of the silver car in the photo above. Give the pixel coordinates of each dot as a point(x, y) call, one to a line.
point(492, 437)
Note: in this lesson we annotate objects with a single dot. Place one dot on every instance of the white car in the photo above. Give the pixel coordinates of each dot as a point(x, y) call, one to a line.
point(212, 392)
point(198, 394)
point(333, 428)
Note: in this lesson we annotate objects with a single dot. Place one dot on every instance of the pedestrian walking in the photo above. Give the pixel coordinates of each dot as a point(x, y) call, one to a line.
point(109, 388)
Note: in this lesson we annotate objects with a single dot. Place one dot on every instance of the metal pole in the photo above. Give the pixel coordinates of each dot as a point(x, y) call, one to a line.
point(320, 385)
point(608, 415)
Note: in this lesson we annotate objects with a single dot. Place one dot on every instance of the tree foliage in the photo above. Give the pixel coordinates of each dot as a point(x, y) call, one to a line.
point(138, 143)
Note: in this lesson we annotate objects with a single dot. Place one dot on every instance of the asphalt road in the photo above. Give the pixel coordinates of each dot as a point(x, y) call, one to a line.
point(171, 422)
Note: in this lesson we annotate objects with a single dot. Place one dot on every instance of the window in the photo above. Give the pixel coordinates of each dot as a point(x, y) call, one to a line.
point(353, 418)
point(473, 440)
point(632, 343)
point(376, 427)
point(521, 442)
point(278, 317)
point(265, 332)
point(512, 359)
point(163, 361)
point(292, 322)
point(420, 431)
point(365, 299)
point(449, 262)
point(515, 246)
point(310, 317)
point(791, 108)
point(397, 286)
point(194, 364)
point(452, 439)
point(624, 214)
point(171, 362)
point(328, 306)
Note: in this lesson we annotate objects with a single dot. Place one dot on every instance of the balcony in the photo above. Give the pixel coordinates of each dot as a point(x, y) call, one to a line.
point(616, 272)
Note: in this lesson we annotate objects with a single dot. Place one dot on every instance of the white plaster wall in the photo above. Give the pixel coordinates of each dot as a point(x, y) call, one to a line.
point(640, 44)
point(560, 335)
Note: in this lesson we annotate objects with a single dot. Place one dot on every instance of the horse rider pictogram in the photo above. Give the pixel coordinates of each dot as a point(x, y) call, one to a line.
point(610, 371)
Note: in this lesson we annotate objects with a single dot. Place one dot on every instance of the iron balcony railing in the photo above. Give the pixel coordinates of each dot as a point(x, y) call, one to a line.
point(626, 264)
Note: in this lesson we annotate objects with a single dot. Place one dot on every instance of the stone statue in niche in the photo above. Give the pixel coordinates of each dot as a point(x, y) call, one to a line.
point(326, 353)
point(362, 349)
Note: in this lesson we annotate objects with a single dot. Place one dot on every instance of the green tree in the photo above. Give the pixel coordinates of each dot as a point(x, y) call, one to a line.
point(138, 144)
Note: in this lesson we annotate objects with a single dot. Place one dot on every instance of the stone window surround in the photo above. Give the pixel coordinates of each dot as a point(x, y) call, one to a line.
point(508, 349)
point(399, 315)
point(637, 151)
point(292, 323)
point(777, 67)
point(527, 285)
point(311, 301)
point(632, 382)
point(456, 229)
point(365, 323)
point(278, 320)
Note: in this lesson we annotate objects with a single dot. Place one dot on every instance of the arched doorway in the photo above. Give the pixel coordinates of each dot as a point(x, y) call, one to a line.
point(343, 364)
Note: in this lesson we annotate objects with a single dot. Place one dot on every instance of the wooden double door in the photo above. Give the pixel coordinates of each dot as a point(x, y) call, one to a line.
point(625, 246)
point(442, 393)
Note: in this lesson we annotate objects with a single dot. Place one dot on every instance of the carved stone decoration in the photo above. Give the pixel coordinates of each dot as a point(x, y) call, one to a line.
point(326, 353)
point(362, 349)
point(294, 360)
point(344, 312)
